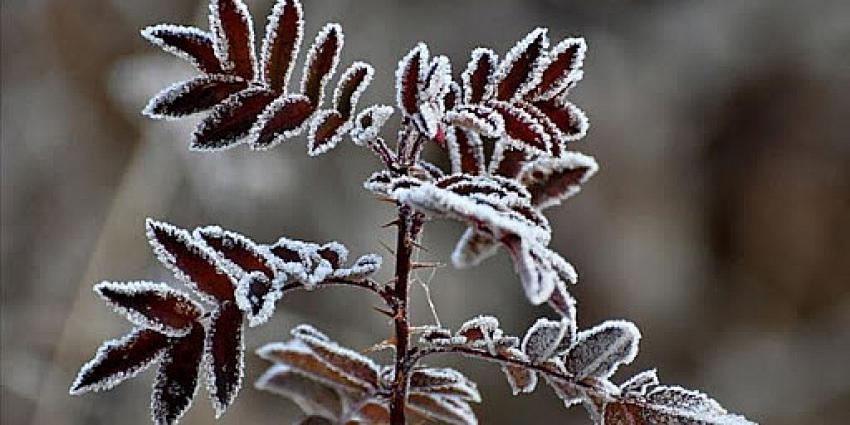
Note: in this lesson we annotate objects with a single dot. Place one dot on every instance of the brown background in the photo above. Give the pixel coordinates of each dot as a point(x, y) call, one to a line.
point(719, 222)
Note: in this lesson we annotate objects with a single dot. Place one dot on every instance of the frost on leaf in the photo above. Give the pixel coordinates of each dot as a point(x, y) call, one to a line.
point(409, 75)
point(566, 390)
point(466, 151)
point(241, 252)
point(515, 76)
point(552, 180)
point(507, 160)
point(233, 34)
point(362, 269)
point(177, 379)
point(351, 86)
point(481, 332)
point(521, 379)
point(542, 340)
point(599, 351)
point(561, 69)
point(540, 269)
point(282, 119)
point(326, 131)
point(473, 248)
point(226, 351)
point(230, 121)
point(284, 32)
point(369, 122)
point(480, 119)
point(322, 60)
point(357, 367)
point(670, 405)
point(444, 381)
point(478, 76)
point(152, 306)
point(120, 359)
point(189, 43)
point(571, 121)
point(641, 382)
point(449, 410)
point(191, 260)
point(522, 130)
point(193, 96)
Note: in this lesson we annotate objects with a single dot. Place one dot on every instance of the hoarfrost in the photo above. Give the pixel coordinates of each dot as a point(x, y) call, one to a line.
point(120, 359)
point(599, 351)
point(322, 60)
point(542, 340)
point(152, 306)
point(189, 43)
point(233, 34)
point(284, 32)
point(478, 77)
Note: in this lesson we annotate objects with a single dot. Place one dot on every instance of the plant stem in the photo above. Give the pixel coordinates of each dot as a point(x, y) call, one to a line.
point(407, 230)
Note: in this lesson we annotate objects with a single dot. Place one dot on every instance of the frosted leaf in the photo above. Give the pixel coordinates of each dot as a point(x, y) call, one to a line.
point(233, 34)
point(351, 86)
point(335, 253)
point(466, 151)
point(362, 269)
point(506, 160)
point(118, 360)
point(296, 256)
point(480, 119)
point(301, 358)
point(444, 381)
point(379, 182)
point(437, 79)
point(564, 304)
point(310, 396)
point(667, 405)
point(193, 96)
point(230, 121)
point(369, 122)
point(552, 180)
point(240, 252)
point(321, 62)
point(538, 278)
point(542, 340)
point(641, 382)
point(284, 31)
point(449, 410)
point(481, 332)
point(521, 379)
point(599, 351)
point(281, 120)
point(225, 352)
point(431, 336)
point(256, 296)
point(152, 306)
point(191, 260)
point(326, 131)
point(354, 365)
point(515, 76)
point(478, 77)
point(562, 68)
point(177, 379)
point(428, 120)
point(372, 411)
point(426, 171)
point(523, 131)
point(570, 120)
point(309, 331)
point(189, 43)
point(409, 76)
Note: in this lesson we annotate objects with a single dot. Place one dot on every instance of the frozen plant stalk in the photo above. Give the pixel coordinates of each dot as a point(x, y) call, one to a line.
point(505, 128)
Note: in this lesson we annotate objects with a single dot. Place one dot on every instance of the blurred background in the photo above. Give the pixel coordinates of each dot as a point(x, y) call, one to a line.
point(719, 222)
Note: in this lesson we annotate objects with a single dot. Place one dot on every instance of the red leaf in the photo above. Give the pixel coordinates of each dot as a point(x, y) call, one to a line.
point(177, 379)
point(152, 306)
point(238, 249)
point(567, 117)
point(326, 132)
point(409, 76)
point(284, 32)
point(507, 160)
point(466, 151)
point(120, 359)
point(551, 180)
point(191, 260)
point(230, 121)
point(523, 131)
point(189, 43)
point(515, 75)
point(562, 69)
point(478, 76)
point(322, 60)
point(351, 85)
point(453, 96)
point(281, 120)
point(193, 96)
point(225, 350)
point(233, 33)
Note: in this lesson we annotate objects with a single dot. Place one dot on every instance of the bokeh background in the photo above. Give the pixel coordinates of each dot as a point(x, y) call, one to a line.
point(719, 222)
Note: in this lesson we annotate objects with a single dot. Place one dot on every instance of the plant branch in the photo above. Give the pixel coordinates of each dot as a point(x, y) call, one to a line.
point(368, 284)
point(408, 227)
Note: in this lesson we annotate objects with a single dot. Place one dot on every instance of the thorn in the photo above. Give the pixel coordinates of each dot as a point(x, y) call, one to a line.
point(395, 222)
point(384, 311)
point(387, 344)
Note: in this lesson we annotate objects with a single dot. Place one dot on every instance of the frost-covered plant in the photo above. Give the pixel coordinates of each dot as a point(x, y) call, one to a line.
point(505, 129)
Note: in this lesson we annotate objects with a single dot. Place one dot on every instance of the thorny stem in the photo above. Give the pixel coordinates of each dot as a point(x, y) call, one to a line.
point(368, 284)
point(409, 224)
